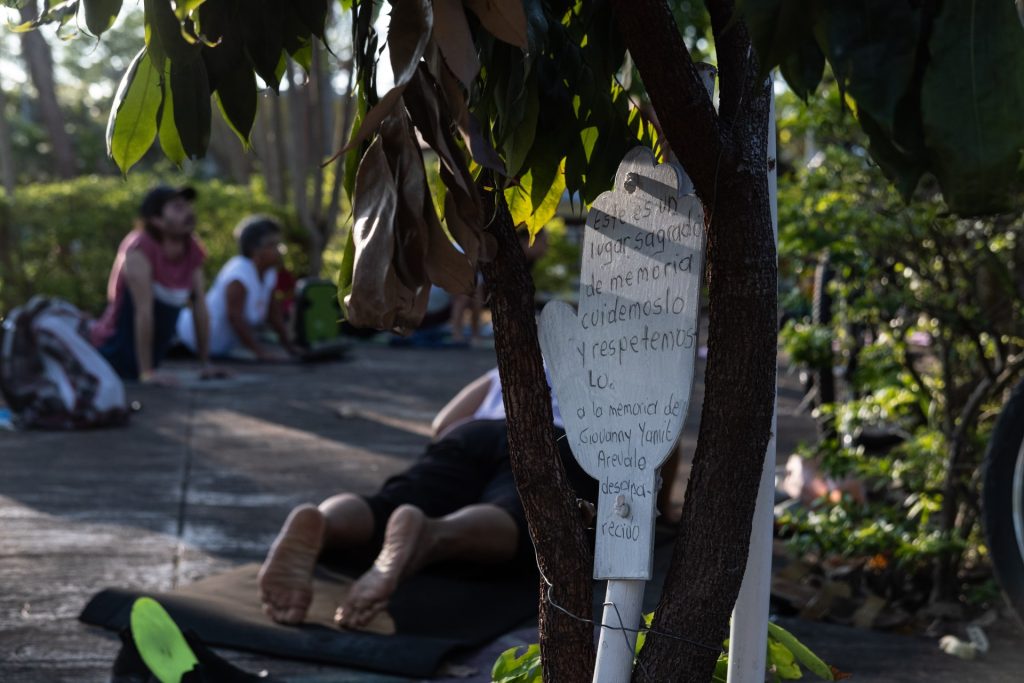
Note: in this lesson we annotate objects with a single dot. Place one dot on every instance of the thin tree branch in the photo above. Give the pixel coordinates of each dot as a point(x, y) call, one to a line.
point(737, 64)
point(984, 390)
point(675, 85)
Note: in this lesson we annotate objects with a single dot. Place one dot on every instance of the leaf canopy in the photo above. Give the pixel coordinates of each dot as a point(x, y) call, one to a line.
point(938, 87)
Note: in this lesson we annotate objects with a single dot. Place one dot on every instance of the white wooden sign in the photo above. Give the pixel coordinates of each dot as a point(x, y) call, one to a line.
point(622, 368)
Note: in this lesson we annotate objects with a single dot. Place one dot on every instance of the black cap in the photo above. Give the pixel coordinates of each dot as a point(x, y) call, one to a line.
point(155, 200)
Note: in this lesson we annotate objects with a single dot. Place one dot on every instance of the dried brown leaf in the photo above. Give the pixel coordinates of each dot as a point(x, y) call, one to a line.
point(411, 229)
point(504, 19)
point(448, 267)
point(451, 33)
point(376, 294)
point(431, 116)
point(479, 145)
point(408, 35)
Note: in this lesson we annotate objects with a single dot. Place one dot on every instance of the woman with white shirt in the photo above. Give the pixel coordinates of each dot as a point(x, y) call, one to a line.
point(241, 299)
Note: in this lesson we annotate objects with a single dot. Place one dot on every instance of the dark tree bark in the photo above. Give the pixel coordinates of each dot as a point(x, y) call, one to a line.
point(269, 146)
point(7, 176)
point(40, 67)
point(726, 156)
point(554, 520)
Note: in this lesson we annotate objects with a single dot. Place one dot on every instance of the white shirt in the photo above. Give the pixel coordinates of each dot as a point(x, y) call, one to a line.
point(258, 293)
point(493, 405)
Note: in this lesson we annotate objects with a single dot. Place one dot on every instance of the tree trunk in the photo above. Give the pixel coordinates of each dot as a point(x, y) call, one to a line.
point(227, 151)
point(729, 171)
point(7, 176)
point(10, 281)
point(316, 93)
point(563, 554)
point(269, 148)
point(40, 67)
point(298, 154)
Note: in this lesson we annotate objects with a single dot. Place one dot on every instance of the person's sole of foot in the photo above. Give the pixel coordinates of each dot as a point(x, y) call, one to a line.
point(407, 540)
point(286, 577)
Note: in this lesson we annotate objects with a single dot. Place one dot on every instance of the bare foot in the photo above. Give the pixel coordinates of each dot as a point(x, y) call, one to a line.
point(286, 577)
point(407, 540)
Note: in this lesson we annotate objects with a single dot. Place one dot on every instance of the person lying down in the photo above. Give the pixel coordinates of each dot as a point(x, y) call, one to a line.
point(457, 502)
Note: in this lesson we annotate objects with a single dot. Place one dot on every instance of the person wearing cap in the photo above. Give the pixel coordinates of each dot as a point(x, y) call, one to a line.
point(156, 273)
point(241, 299)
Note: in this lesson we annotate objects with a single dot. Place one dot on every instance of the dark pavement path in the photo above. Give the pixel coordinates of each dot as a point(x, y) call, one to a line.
point(203, 477)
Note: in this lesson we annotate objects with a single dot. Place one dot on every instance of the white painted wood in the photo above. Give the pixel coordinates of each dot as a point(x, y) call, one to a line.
point(622, 613)
point(749, 628)
point(622, 368)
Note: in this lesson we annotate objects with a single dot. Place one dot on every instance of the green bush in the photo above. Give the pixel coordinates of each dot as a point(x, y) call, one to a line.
point(59, 239)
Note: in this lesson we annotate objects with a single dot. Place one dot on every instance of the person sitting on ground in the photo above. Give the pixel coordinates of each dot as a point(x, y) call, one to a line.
point(157, 272)
point(457, 502)
point(242, 299)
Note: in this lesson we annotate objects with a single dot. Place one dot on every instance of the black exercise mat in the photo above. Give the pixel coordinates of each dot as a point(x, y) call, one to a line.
point(433, 613)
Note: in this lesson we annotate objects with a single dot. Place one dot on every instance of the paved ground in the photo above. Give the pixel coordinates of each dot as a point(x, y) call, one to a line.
point(201, 480)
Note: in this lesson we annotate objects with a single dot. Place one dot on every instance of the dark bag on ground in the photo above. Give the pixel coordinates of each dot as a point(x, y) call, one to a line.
point(317, 321)
point(51, 376)
point(317, 312)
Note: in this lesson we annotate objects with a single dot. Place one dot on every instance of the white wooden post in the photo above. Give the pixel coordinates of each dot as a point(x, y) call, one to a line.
point(749, 632)
point(623, 604)
point(622, 368)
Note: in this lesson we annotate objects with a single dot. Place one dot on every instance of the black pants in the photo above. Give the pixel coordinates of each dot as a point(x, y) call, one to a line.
point(470, 466)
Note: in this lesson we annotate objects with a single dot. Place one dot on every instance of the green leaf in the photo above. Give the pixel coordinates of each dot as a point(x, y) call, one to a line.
point(183, 9)
point(192, 109)
point(100, 14)
point(518, 145)
point(170, 141)
point(524, 668)
point(872, 46)
point(782, 661)
point(160, 642)
point(303, 56)
point(237, 100)
point(59, 14)
point(522, 208)
point(972, 99)
point(264, 44)
point(353, 155)
point(641, 637)
point(132, 124)
point(313, 14)
point(803, 67)
point(164, 37)
point(800, 651)
point(721, 674)
point(902, 167)
point(777, 28)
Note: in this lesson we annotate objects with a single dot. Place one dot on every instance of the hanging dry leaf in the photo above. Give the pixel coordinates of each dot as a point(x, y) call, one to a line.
point(401, 151)
point(504, 19)
point(408, 34)
point(431, 116)
point(418, 231)
point(463, 210)
point(480, 147)
point(377, 295)
point(448, 267)
point(451, 34)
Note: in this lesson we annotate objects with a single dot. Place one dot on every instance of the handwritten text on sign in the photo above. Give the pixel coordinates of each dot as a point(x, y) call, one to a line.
point(622, 367)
